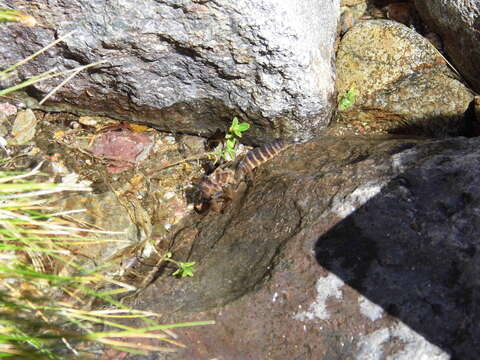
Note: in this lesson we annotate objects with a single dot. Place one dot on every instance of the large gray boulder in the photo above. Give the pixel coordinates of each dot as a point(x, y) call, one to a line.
point(458, 24)
point(188, 66)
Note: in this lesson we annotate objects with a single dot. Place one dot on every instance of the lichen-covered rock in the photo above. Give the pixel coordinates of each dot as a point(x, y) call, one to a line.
point(350, 14)
point(354, 249)
point(458, 24)
point(188, 66)
point(400, 81)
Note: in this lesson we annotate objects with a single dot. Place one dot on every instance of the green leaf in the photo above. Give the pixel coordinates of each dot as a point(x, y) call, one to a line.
point(230, 143)
point(243, 126)
point(185, 269)
point(348, 99)
point(234, 132)
point(237, 132)
point(234, 126)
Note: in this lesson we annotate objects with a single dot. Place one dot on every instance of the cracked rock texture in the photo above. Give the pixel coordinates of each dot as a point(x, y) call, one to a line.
point(340, 249)
point(401, 81)
point(185, 65)
point(458, 24)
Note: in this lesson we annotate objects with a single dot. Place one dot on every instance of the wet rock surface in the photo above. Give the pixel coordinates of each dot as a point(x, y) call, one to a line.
point(137, 196)
point(360, 249)
point(401, 81)
point(105, 213)
point(188, 66)
point(458, 24)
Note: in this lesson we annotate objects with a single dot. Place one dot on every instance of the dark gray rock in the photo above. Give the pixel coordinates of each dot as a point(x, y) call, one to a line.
point(458, 24)
point(401, 81)
point(189, 66)
point(353, 249)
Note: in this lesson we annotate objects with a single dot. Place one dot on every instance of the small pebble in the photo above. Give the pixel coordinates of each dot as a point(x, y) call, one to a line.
point(3, 144)
point(7, 110)
point(59, 168)
point(170, 140)
point(87, 121)
point(168, 195)
point(24, 127)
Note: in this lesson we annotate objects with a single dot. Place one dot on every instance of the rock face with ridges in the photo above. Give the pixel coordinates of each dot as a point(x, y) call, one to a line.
point(189, 65)
point(401, 81)
point(458, 24)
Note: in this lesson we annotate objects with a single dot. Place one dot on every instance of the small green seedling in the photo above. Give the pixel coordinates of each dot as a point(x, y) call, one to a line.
point(228, 152)
point(348, 99)
point(234, 132)
point(184, 268)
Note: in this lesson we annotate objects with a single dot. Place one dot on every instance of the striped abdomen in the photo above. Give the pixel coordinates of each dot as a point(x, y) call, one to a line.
point(258, 156)
point(213, 186)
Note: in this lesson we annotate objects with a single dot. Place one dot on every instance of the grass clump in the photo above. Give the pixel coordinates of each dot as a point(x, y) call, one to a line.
point(46, 297)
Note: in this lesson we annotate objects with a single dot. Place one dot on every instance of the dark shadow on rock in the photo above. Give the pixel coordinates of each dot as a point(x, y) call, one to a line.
point(438, 126)
point(413, 249)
